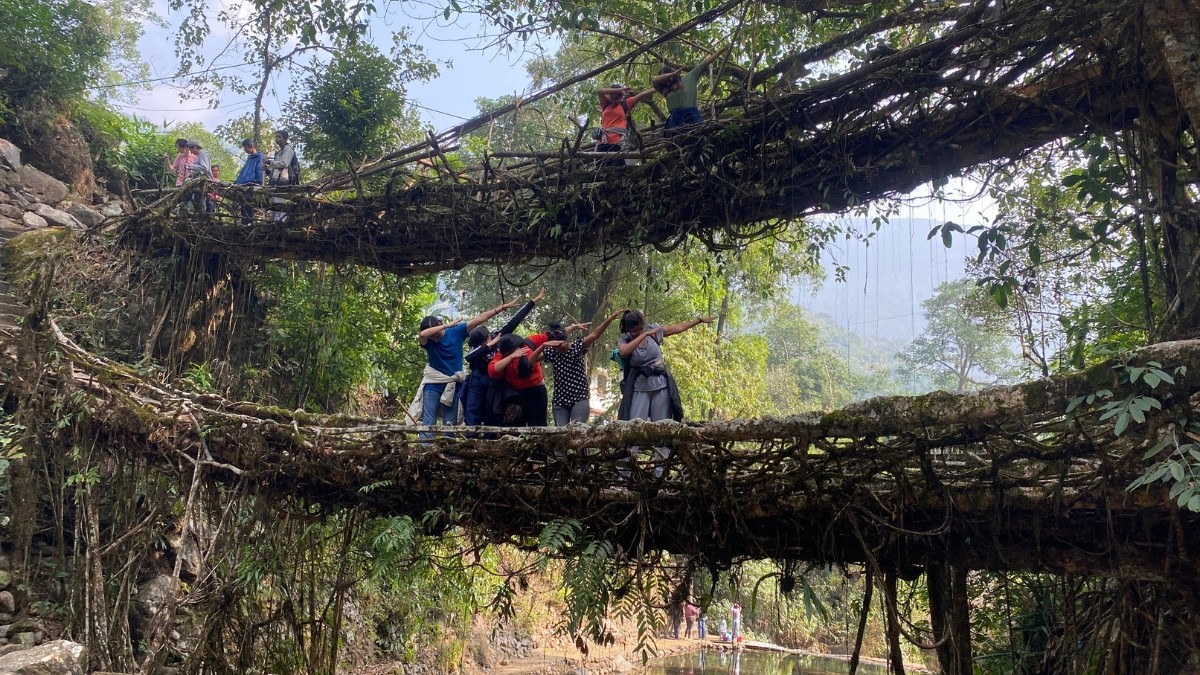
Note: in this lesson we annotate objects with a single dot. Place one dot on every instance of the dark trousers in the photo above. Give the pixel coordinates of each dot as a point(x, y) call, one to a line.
point(533, 407)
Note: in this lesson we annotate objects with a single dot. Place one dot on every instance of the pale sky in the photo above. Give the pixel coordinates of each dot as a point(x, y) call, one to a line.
point(442, 102)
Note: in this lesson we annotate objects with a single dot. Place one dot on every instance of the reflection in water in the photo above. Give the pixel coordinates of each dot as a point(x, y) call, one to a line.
point(753, 663)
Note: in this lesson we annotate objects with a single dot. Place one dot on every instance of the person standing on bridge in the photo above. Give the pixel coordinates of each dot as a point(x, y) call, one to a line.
point(200, 166)
point(616, 102)
point(251, 174)
point(679, 88)
point(517, 365)
point(182, 158)
point(572, 390)
point(481, 345)
point(648, 390)
point(284, 168)
point(438, 395)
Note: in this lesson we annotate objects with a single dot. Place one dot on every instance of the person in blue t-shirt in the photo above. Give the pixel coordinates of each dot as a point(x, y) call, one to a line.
point(251, 174)
point(439, 394)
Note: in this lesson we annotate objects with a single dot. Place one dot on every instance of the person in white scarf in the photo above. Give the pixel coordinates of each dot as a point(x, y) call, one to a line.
point(437, 396)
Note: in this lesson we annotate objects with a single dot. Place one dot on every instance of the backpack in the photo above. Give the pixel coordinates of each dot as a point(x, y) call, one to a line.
point(615, 355)
point(294, 169)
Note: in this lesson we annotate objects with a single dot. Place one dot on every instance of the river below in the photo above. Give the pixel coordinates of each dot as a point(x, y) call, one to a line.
point(754, 663)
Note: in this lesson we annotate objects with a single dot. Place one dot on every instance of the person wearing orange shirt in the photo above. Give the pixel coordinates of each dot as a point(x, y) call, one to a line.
point(616, 102)
point(518, 364)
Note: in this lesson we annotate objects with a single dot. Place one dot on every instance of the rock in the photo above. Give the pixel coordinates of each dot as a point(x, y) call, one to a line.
point(6, 618)
point(24, 639)
point(89, 217)
point(10, 211)
point(6, 650)
point(10, 155)
point(4, 198)
point(56, 217)
point(47, 189)
point(7, 603)
point(59, 149)
point(53, 658)
point(33, 220)
point(18, 199)
point(620, 665)
point(112, 209)
point(25, 625)
point(186, 628)
point(4, 631)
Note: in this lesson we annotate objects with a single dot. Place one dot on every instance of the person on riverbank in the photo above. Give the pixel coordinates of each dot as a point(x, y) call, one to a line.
point(702, 623)
point(723, 630)
point(690, 613)
point(735, 620)
point(200, 166)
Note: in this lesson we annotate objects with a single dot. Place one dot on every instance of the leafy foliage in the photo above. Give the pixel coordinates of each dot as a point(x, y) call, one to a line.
point(352, 108)
point(127, 149)
point(50, 50)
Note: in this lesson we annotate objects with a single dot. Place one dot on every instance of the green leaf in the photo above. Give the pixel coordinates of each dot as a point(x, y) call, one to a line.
point(1122, 423)
point(1176, 470)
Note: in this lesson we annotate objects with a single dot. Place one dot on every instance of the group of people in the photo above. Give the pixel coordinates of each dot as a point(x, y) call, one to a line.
point(677, 85)
point(506, 385)
point(697, 617)
point(193, 161)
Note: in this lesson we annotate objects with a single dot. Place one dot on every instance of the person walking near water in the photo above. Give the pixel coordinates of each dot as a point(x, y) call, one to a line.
point(735, 620)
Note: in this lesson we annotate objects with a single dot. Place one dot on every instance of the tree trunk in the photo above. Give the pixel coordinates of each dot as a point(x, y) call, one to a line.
point(1173, 28)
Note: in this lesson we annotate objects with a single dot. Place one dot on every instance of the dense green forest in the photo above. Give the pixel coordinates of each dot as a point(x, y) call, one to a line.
point(1089, 252)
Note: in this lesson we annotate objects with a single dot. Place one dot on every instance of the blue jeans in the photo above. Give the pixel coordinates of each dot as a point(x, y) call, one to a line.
point(432, 408)
point(682, 117)
point(475, 398)
point(702, 626)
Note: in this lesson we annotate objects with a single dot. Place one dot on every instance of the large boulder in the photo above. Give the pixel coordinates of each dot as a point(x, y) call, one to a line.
point(61, 151)
point(33, 221)
point(53, 658)
point(56, 217)
point(46, 188)
point(89, 217)
point(10, 155)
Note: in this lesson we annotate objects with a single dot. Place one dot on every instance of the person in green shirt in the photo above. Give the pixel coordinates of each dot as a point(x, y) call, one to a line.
point(679, 88)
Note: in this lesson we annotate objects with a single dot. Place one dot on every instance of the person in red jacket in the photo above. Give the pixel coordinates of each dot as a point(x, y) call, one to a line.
point(518, 364)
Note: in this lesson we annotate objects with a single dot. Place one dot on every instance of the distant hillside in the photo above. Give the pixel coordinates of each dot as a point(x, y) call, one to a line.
point(887, 280)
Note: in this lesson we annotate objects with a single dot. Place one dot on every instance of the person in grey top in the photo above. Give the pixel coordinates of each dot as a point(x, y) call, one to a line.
point(646, 388)
point(200, 166)
point(280, 164)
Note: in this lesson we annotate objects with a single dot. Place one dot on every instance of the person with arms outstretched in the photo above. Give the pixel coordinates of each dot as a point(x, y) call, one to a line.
point(679, 88)
point(572, 390)
point(481, 345)
point(438, 395)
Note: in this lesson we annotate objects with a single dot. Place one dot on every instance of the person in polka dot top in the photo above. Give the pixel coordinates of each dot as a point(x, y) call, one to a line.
point(572, 393)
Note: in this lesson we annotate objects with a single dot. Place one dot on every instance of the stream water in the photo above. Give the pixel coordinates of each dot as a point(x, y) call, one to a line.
point(754, 663)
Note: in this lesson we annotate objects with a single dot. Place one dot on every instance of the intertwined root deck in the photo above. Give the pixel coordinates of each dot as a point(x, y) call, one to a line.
point(1000, 479)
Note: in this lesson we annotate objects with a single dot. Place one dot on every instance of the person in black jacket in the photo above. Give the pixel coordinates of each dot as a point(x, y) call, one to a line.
point(481, 345)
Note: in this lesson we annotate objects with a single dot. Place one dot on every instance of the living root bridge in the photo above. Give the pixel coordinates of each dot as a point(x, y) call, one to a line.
point(880, 130)
point(999, 479)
